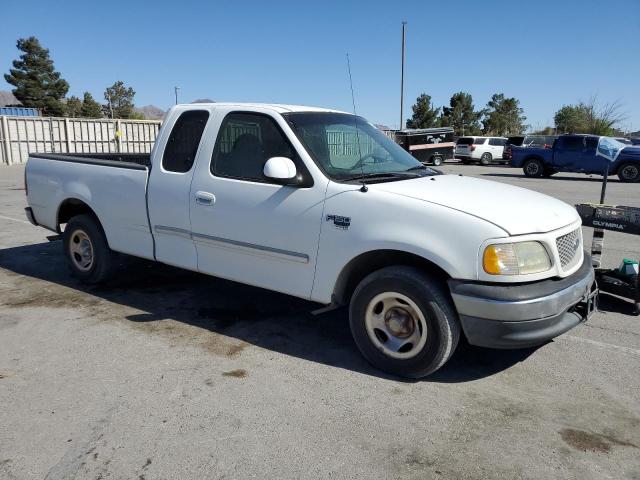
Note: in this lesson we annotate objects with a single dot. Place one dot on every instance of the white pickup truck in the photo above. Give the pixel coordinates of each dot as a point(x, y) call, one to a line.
point(319, 204)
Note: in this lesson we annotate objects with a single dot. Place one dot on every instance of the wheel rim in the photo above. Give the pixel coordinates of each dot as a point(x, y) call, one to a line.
point(81, 250)
point(485, 158)
point(533, 168)
point(630, 172)
point(437, 161)
point(395, 325)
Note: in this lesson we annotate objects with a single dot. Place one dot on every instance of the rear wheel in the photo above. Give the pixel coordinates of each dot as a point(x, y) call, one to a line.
point(404, 322)
point(486, 158)
point(86, 250)
point(533, 168)
point(629, 172)
point(437, 160)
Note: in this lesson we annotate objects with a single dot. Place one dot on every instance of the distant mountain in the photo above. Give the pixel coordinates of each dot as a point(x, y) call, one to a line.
point(204, 100)
point(8, 100)
point(151, 112)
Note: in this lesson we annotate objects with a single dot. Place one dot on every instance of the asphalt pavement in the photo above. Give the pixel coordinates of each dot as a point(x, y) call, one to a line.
point(166, 374)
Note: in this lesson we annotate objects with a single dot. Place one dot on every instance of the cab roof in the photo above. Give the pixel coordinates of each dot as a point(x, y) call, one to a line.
point(278, 107)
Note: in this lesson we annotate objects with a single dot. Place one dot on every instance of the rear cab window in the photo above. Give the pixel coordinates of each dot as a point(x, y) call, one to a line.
point(182, 145)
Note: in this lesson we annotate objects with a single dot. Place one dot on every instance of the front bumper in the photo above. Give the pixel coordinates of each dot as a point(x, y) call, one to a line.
point(502, 315)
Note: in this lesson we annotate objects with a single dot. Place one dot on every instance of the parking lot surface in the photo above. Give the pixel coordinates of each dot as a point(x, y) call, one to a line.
point(170, 374)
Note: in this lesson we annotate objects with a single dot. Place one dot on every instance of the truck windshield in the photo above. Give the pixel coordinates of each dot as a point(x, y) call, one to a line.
point(343, 151)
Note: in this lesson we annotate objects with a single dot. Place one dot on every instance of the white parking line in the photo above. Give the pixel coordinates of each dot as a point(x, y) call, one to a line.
point(632, 351)
point(15, 219)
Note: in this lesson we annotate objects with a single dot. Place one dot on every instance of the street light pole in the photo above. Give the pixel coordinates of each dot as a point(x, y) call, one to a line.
point(404, 23)
point(175, 90)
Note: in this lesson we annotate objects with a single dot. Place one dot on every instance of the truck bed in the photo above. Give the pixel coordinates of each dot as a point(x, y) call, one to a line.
point(113, 185)
point(135, 161)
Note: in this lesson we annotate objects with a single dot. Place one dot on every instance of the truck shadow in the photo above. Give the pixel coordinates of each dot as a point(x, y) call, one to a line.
point(256, 316)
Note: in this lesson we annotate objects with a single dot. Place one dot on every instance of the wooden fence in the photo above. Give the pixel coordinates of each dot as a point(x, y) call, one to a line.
point(21, 135)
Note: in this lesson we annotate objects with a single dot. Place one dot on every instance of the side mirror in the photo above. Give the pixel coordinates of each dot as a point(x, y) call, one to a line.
point(280, 169)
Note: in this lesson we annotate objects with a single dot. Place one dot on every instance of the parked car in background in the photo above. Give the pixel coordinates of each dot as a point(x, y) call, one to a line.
point(544, 141)
point(484, 150)
point(429, 145)
point(577, 153)
point(626, 141)
point(635, 141)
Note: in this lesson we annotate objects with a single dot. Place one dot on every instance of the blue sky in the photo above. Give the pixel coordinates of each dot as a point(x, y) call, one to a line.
point(546, 53)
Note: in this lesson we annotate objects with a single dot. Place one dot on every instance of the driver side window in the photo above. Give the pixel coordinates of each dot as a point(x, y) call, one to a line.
point(245, 142)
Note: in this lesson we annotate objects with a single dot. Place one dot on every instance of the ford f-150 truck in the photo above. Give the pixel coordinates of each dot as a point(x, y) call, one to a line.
point(577, 153)
point(321, 205)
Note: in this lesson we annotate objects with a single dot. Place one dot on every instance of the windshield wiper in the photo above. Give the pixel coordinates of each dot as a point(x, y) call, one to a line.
point(381, 175)
point(417, 167)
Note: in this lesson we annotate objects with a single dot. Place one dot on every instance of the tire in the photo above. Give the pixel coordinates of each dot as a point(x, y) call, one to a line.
point(629, 172)
point(86, 250)
point(486, 158)
point(533, 168)
point(392, 309)
point(436, 160)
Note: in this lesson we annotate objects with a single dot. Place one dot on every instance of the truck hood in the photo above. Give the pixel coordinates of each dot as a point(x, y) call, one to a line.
point(516, 210)
point(631, 151)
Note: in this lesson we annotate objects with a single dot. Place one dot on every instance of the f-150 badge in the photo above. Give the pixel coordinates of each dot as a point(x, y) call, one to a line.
point(339, 222)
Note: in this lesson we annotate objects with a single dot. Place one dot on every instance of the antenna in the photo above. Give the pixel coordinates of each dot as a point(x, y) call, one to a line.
point(355, 123)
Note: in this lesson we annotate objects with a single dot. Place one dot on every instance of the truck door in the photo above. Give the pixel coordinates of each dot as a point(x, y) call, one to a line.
point(496, 147)
point(590, 161)
point(169, 189)
point(567, 153)
point(245, 227)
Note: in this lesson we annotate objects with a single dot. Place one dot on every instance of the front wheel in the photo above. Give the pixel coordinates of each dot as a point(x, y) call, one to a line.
point(437, 160)
point(629, 172)
point(485, 159)
point(86, 250)
point(533, 168)
point(404, 322)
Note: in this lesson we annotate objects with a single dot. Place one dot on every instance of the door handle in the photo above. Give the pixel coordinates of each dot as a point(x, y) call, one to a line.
point(205, 198)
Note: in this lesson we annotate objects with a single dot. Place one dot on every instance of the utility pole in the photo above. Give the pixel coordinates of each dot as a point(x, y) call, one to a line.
point(175, 90)
point(110, 106)
point(404, 23)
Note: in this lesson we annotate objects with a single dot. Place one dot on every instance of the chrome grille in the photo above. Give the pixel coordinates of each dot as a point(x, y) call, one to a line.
point(568, 247)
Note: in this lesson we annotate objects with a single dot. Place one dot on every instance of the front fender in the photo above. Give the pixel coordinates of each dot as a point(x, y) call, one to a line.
point(448, 238)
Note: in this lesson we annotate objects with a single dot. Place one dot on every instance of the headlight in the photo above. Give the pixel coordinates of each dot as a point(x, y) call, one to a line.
point(516, 258)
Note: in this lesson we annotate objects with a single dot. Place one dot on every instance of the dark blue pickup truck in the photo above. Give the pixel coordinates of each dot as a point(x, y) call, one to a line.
point(577, 153)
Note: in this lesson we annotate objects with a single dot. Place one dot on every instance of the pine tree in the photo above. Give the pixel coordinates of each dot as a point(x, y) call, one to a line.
point(119, 100)
point(424, 114)
point(74, 105)
point(90, 108)
point(37, 83)
point(503, 116)
point(461, 115)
